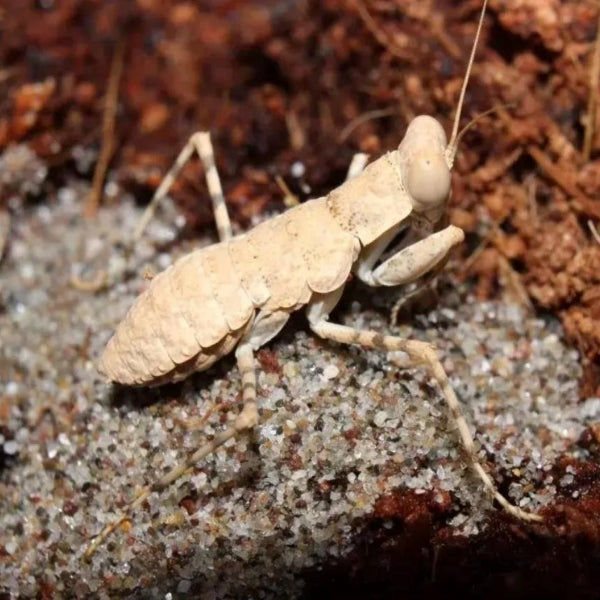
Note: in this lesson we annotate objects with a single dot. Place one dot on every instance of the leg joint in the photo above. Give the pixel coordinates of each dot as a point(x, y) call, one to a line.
point(248, 418)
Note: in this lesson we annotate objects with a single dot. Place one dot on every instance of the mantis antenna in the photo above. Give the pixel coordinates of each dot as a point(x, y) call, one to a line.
point(454, 138)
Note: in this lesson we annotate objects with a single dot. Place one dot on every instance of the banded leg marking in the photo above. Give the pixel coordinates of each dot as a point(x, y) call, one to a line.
point(422, 353)
point(246, 420)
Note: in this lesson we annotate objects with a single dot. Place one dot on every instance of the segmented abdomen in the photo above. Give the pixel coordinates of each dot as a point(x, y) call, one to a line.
point(195, 312)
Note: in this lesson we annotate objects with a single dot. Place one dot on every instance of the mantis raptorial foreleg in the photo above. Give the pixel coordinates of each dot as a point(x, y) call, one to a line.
point(413, 261)
point(428, 281)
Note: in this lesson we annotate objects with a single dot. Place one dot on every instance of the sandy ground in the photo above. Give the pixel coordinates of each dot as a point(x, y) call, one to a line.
point(339, 427)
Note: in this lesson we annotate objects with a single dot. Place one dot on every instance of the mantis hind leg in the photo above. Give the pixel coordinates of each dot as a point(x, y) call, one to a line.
point(264, 328)
point(201, 143)
point(247, 419)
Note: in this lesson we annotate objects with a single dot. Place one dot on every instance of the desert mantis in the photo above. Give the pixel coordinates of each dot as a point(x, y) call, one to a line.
point(238, 294)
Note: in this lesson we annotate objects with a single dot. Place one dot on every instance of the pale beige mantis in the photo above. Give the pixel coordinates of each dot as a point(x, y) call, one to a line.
point(239, 293)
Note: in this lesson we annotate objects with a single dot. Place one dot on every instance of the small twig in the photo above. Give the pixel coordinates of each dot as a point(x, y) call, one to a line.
point(289, 198)
point(495, 168)
point(100, 281)
point(506, 271)
point(438, 28)
point(514, 282)
point(590, 123)
point(377, 32)
point(4, 230)
point(108, 132)
point(580, 203)
point(531, 187)
point(296, 133)
point(198, 422)
point(553, 171)
point(364, 118)
point(467, 265)
point(594, 231)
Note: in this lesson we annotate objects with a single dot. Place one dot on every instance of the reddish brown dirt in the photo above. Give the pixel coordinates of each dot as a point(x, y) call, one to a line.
point(406, 552)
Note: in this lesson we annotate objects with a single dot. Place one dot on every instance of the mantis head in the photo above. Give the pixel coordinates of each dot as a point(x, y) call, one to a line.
point(424, 167)
point(426, 157)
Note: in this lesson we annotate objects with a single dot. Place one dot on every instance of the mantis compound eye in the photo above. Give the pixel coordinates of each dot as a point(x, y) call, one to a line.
point(423, 164)
point(428, 180)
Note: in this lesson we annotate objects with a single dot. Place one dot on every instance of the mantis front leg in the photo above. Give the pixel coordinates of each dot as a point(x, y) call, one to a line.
point(411, 262)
